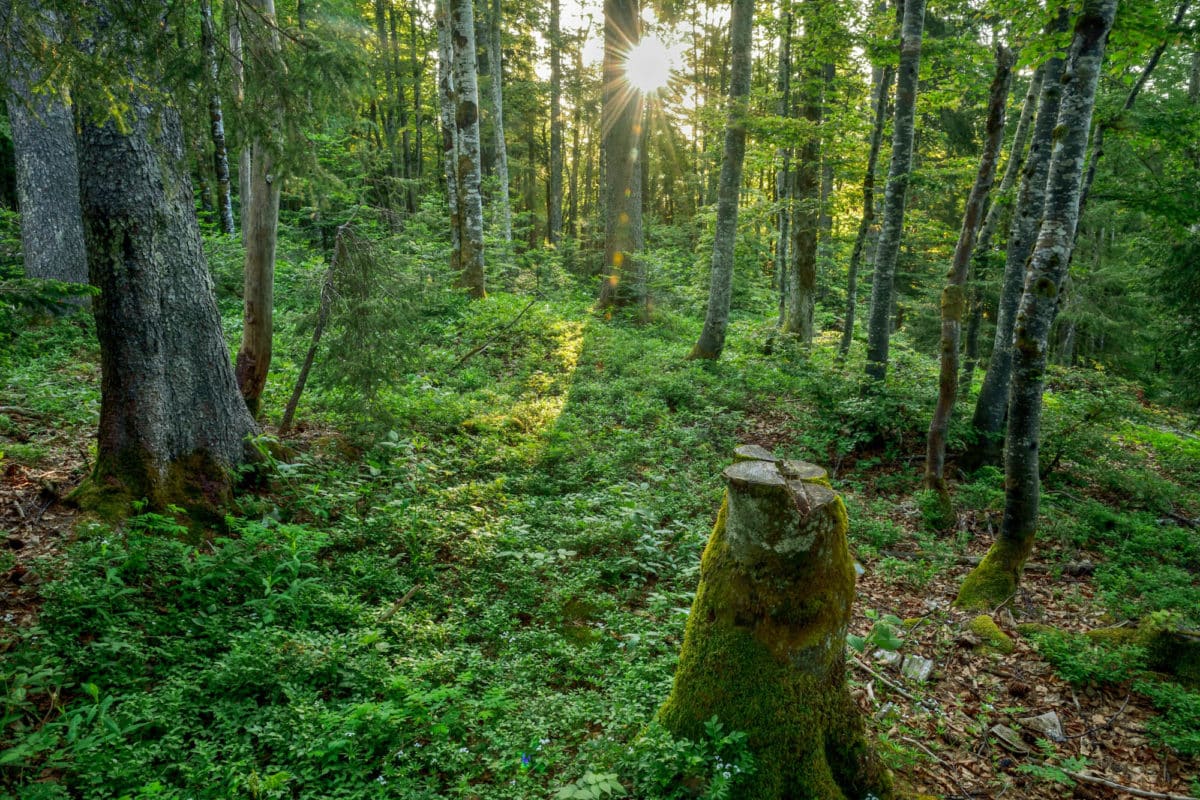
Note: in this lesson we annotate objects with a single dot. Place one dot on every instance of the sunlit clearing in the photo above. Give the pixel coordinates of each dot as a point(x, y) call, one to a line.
point(648, 65)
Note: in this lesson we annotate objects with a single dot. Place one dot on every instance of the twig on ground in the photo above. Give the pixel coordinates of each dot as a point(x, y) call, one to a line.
point(494, 336)
point(1106, 725)
point(17, 411)
point(396, 606)
point(1086, 778)
point(961, 791)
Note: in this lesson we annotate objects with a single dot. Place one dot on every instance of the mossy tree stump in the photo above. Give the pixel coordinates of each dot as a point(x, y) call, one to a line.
point(765, 644)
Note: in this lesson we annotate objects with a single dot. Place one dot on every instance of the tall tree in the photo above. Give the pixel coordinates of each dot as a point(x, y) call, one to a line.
point(554, 216)
point(449, 130)
point(716, 320)
point(262, 219)
point(997, 576)
point(954, 296)
point(173, 425)
point(45, 149)
point(496, 61)
point(887, 251)
point(237, 62)
point(216, 117)
point(621, 134)
point(992, 403)
point(466, 120)
point(783, 172)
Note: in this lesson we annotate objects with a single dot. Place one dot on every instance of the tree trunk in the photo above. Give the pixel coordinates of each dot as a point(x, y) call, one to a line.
point(825, 220)
point(783, 182)
point(621, 131)
point(806, 209)
point(954, 296)
point(966, 375)
point(449, 131)
point(992, 403)
point(764, 650)
point(466, 120)
point(233, 12)
point(997, 576)
point(47, 164)
point(216, 118)
point(888, 249)
point(716, 320)
point(554, 219)
point(258, 295)
point(172, 423)
point(868, 212)
point(496, 56)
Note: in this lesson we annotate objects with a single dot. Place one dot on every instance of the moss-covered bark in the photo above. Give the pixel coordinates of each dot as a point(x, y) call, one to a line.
point(764, 649)
point(995, 579)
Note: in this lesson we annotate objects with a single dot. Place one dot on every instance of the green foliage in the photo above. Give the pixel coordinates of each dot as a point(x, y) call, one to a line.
point(883, 634)
point(1082, 661)
point(1179, 725)
point(675, 769)
point(592, 787)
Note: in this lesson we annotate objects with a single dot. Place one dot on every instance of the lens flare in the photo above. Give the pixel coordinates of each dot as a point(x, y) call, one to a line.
point(648, 65)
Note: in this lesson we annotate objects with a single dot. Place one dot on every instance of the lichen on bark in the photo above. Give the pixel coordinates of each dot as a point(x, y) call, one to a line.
point(764, 649)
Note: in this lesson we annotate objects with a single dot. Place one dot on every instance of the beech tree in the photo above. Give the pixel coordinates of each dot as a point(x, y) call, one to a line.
point(997, 576)
point(467, 168)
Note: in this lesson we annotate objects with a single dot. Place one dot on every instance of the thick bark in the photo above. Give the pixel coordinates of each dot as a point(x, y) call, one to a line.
point(954, 295)
point(997, 576)
point(47, 163)
point(764, 649)
point(868, 212)
point(262, 231)
point(621, 131)
point(467, 168)
point(992, 403)
point(496, 57)
point(449, 131)
point(172, 423)
point(216, 118)
point(716, 320)
point(554, 219)
point(887, 250)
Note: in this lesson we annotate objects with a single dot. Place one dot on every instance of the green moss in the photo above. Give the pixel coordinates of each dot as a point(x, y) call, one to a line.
point(954, 302)
point(766, 657)
point(1028, 629)
point(196, 482)
point(1168, 648)
point(990, 634)
point(995, 579)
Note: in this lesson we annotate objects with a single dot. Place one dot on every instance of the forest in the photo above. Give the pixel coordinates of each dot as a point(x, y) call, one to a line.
point(511, 399)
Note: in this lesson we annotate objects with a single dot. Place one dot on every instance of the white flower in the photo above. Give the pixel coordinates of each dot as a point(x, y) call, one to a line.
point(725, 774)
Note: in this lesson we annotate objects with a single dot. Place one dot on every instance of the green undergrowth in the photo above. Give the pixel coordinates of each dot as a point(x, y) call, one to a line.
point(472, 578)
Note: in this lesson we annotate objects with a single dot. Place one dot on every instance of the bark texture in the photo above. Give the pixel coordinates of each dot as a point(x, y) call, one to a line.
point(621, 135)
point(868, 213)
point(449, 131)
point(954, 295)
point(888, 249)
point(997, 576)
point(783, 188)
point(806, 211)
point(216, 117)
point(554, 218)
point(992, 403)
point(716, 320)
point(764, 649)
point(262, 231)
point(466, 122)
point(47, 161)
point(172, 423)
point(496, 59)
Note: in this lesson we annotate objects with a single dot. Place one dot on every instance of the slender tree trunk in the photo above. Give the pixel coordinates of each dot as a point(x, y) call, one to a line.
point(387, 109)
point(466, 118)
point(888, 249)
point(868, 212)
point(783, 182)
point(992, 403)
point(954, 296)
point(1130, 98)
point(449, 131)
point(47, 160)
point(825, 220)
point(497, 63)
point(806, 201)
point(716, 320)
point(554, 217)
point(576, 153)
point(216, 118)
point(621, 131)
point(258, 294)
point(233, 12)
point(997, 576)
point(966, 375)
point(415, 47)
point(172, 424)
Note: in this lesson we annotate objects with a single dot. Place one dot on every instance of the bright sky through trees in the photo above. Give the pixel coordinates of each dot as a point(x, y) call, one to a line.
point(649, 64)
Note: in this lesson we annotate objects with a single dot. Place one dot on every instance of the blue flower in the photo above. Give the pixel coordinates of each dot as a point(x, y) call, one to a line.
point(525, 760)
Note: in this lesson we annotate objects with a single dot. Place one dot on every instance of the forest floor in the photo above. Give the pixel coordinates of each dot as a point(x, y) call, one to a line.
point(474, 585)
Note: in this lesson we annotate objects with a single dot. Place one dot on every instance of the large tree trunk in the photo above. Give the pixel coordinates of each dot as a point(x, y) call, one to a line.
point(992, 404)
point(868, 212)
point(764, 650)
point(716, 320)
point(621, 132)
point(173, 425)
point(997, 576)
point(262, 231)
point(216, 117)
point(47, 162)
point(466, 119)
point(554, 218)
point(449, 131)
point(887, 250)
point(954, 296)
point(496, 57)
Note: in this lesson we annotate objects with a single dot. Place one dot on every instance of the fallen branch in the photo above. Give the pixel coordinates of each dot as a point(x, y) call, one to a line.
point(897, 688)
point(1086, 778)
point(17, 411)
point(961, 791)
point(493, 337)
point(396, 606)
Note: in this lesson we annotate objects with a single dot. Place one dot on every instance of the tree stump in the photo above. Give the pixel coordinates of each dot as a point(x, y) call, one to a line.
point(765, 644)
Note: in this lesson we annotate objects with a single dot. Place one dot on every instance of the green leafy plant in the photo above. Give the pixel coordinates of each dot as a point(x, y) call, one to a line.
point(592, 786)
